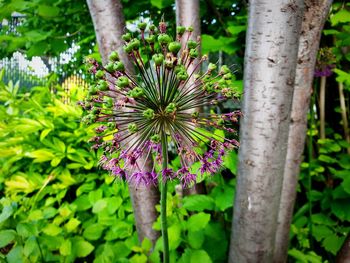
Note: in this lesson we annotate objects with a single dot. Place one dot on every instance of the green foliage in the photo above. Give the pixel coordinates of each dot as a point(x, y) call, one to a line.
point(56, 206)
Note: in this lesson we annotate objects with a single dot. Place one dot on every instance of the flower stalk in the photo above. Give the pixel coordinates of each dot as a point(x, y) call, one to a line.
point(163, 198)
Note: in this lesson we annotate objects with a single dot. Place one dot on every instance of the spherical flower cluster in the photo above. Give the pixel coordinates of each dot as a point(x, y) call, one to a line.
point(325, 62)
point(162, 100)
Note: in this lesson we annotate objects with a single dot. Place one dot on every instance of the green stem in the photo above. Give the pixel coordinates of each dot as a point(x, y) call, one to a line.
point(310, 157)
point(163, 194)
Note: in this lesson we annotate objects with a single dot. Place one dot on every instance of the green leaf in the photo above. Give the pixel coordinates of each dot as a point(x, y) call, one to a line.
point(42, 155)
point(44, 133)
point(114, 203)
point(327, 159)
point(6, 237)
point(341, 209)
point(119, 230)
point(138, 259)
point(234, 30)
point(81, 247)
point(195, 239)
point(333, 243)
point(200, 256)
point(82, 203)
point(231, 161)
point(93, 232)
point(72, 225)
point(29, 246)
point(99, 206)
point(146, 244)
point(160, 4)
point(66, 247)
point(321, 231)
point(48, 11)
point(198, 203)
point(6, 212)
point(174, 233)
point(322, 219)
point(342, 16)
point(223, 196)
point(38, 49)
point(52, 230)
point(198, 221)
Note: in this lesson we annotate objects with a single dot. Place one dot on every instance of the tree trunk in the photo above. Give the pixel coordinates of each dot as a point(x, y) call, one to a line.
point(109, 24)
point(344, 253)
point(315, 15)
point(270, 63)
point(187, 14)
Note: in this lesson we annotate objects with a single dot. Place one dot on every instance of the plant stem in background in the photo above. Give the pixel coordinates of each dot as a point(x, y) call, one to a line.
point(344, 113)
point(163, 195)
point(322, 107)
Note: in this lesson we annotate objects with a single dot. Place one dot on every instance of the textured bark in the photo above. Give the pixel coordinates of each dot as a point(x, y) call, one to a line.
point(270, 63)
point(314, 17)
point(187, 14)
point(109, 24)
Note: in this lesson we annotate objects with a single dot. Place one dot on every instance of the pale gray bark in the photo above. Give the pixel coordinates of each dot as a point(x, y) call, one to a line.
point(315, 15)
point(109, 24)
point(187, 14)
point(270, 63)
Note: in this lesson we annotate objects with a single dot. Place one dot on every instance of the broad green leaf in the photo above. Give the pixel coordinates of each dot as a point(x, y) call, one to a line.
point(66, 248)
point(52, 230)
point(223, 197)
point(198, 221)
point(174, 233)
point(82, 202)
point(42, 155)
point(72, 224)
point(6, 212)
point(341, 209)
point(321, 231)
point(114, 203)
point(333, 243)
point(47, 11)
point(327, 159)
point(231, 161)
point(322, 219)
point(29, 246)
point(81, 247)
point(146, 244)
point(195, 239)
point(119, 230)
point(234, 30)
point(160, 4)
point(93, 232)
point(200, 256)
point(6, 237)
point(198, 203)
point(99, 206)
point(342, 16)
point(138, 259)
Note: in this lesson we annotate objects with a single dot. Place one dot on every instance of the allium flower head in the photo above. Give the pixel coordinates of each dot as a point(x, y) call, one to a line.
point(163, 99)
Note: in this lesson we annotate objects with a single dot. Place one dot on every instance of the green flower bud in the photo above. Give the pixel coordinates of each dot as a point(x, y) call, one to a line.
point(191, 44)
point(126, 37)
point(109, 102)
point(211, 67)
point(179, 68)
point(174, 47)
point(99, 74)
point(180, 30)
point(122, 82)
point(164, 39)
point(152, 27)
point(128, 48)
point(136, 92)
point(228, 76)
point(142, 25)
point(119, 66)
point(114, 56)
point(151, 39)
point(132, 127)
point(171, 108)
point(135, 44)
point(92, 90)
point(109, 67)
point(193, 53)
point(155, 138)
point(158, 59)
point(224, 70)
point(149, 114)
point(102, 85)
